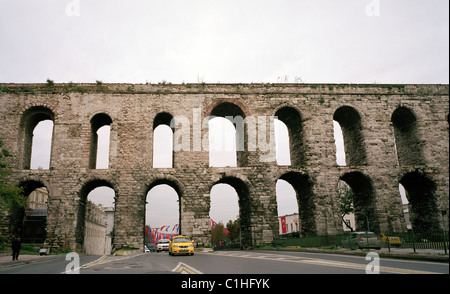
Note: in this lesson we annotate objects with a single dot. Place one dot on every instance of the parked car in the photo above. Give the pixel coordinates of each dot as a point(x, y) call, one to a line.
point(361, 240)
point(149, 248)
point(181, 245)
point(393, 240)
point(163, 245)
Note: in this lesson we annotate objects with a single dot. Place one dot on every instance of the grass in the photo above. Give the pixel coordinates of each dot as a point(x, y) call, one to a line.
point(25, 249)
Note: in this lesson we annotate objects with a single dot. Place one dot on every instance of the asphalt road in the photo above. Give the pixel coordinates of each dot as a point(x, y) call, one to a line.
point(228, 262)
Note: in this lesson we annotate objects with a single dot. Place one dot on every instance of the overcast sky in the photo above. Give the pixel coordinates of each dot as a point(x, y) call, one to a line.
point(227, 41)
point(331, 41)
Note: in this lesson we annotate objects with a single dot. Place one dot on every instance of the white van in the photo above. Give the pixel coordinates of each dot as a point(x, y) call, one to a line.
point(163, 245)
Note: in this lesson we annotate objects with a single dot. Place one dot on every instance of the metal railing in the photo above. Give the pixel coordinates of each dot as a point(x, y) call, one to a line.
point(438, 240)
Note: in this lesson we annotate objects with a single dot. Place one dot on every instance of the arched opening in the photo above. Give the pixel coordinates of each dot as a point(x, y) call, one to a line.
point(283, 154)
point(407, 142)
point(222, 142)
point(339, 141)
point(364, 208)
point(305, 202)
point(30, 222)
point(233, 187)
point(420, 193)
point(36, 131)
point(162, 212)
point(95, 222)
point(287, 208)
point(163, 141)
point(42, 145)
point(350, 122)
point(224, 214)
point(236, 116)
point(100, 138)
point(290, 117)
point(405, 206)
point(346, 206)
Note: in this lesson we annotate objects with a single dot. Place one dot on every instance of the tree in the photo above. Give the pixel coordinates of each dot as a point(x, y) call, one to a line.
point(218, 234)
point(346, 202)
point(11, 197)
point(234, 229)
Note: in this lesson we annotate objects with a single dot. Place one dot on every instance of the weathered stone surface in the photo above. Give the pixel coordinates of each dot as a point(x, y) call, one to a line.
point(314, 173)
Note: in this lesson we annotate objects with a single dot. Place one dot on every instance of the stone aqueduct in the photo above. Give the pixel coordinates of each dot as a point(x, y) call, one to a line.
point(393, 134)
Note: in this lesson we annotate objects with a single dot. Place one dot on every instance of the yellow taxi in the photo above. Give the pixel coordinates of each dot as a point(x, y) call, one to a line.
point(393, 240)
point(181, 245)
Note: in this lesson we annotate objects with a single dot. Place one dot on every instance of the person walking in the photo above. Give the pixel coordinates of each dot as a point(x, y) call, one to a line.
point(16, 245)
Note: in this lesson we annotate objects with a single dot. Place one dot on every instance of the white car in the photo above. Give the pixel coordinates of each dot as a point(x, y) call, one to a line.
point(163, 245)
point(361, 240)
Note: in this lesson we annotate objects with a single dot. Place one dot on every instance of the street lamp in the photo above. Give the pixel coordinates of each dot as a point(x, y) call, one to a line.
point(443, 213)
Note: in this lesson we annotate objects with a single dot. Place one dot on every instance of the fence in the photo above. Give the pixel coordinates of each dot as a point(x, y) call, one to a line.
point(428, 240)
point(226, 245)
point(438, 240)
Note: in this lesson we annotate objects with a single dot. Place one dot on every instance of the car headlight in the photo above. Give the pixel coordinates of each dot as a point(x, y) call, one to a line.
point(175, 246)
point(191, 246)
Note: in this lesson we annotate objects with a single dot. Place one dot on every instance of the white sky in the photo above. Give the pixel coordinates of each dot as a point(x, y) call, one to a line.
point(139, 41)
point(224, 41)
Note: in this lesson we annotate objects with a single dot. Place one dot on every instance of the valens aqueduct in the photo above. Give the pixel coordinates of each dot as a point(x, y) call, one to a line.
point(392, 133)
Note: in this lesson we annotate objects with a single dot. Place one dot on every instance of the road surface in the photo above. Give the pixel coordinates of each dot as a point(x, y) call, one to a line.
point(229, 262)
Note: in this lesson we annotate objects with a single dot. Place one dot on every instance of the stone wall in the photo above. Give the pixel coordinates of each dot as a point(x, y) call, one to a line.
point(373, 172)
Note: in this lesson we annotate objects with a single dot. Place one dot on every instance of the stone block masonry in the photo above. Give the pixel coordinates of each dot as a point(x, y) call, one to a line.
point(392, 133)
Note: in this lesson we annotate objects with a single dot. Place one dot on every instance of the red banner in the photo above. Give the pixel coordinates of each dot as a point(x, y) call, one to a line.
point(283, 225)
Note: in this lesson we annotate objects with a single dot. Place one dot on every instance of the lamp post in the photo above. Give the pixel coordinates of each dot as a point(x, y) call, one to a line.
point(443, 213)
point(367, 235)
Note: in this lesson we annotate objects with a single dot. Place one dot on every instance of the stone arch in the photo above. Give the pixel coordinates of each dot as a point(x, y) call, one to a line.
point(165, 119)
point(97, 121)
point(29, 120)
point(245, 212)
point(88, 187)
point(18, 215)
point(407, 141)
point(291, 117)
point(236, 115)
point(305, 199)
point(421, 194)
point(174, 183)
point(162, 118)
point(366, 217)
point(213, 107)
point(350, 122)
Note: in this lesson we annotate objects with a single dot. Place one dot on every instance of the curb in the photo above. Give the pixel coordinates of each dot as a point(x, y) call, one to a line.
point(27, 261)
point(126, 252)
point(410, 256)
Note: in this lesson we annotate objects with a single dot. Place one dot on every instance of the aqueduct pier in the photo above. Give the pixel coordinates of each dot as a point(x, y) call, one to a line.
point(392, 134)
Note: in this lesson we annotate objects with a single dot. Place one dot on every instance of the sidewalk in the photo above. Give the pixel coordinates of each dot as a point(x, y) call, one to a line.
point(6, 260)
point(401, 253)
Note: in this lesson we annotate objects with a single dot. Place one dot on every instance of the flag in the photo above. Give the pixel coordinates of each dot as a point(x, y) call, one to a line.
point(283, 224)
